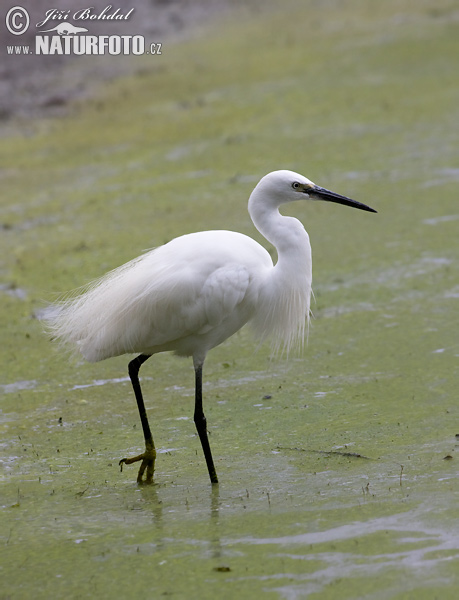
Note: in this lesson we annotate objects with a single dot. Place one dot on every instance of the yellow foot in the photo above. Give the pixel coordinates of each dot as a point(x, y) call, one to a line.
point(148, 464)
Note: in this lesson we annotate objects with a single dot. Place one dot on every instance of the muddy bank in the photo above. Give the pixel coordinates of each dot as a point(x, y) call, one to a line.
point(44, 85)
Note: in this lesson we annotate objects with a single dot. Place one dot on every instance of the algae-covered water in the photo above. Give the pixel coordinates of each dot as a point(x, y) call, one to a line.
point(338, 468)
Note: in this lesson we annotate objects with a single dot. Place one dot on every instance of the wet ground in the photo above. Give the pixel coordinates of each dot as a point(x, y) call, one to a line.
point(38, 85)
point(338, 468)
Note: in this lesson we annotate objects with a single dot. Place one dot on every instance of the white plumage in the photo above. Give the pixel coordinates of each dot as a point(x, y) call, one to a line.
point(194, 292)
point(186, 296)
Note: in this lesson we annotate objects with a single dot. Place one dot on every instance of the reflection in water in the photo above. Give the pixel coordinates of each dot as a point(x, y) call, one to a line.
point(152, 501)
point(17, 386)
point(215, 538)
point(398, 543)
point(99, 382)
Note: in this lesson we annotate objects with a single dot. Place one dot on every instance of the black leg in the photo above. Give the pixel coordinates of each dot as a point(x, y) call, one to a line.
point(148, 457)
point(201, 425)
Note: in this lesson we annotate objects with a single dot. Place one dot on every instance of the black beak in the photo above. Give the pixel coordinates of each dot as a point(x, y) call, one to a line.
point(322, 194)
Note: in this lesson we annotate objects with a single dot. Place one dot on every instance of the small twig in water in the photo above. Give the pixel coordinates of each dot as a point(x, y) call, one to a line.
point(82, 493)
point(349, 454)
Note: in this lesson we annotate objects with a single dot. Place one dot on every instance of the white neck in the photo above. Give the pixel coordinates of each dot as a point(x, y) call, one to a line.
point(286, 234)
point(285, 307)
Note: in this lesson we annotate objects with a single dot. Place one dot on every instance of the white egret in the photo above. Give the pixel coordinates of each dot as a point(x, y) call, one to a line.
point(194, 292)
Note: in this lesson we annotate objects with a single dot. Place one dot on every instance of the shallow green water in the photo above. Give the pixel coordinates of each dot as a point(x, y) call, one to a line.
point(361, 98)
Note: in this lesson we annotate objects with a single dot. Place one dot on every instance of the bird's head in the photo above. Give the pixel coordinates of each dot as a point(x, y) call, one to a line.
point(287, 186)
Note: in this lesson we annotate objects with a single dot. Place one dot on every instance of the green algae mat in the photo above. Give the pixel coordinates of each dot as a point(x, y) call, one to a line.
point(338, 467)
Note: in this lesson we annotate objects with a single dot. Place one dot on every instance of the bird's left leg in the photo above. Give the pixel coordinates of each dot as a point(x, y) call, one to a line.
point(148, 457)
point(201, 423)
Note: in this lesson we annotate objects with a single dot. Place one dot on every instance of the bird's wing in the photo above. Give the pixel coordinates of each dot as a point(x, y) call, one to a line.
point(187, 287)
point(190, 307)
point(222, 292)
